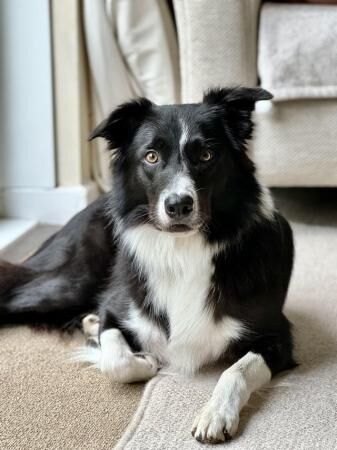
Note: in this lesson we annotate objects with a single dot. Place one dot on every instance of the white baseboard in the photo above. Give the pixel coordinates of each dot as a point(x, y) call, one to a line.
point(13, 229)
point(54, 206)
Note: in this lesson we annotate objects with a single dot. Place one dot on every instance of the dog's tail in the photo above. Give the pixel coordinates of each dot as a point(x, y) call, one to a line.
point(62, 281)
point(29, 296)
point(12, 277)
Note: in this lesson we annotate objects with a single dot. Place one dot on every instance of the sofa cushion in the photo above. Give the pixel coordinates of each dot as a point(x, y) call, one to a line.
point(295, 143)
point(297, 52)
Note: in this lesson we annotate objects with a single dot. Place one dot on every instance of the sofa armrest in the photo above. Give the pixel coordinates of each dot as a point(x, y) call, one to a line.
point(217, 44)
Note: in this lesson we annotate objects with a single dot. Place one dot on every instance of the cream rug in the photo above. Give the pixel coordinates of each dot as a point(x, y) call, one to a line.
point(300, 410)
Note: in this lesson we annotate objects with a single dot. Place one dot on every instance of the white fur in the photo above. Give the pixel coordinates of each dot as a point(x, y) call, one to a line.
point(90, 325)
point(115, 359)
point(152, 338)
point(178, 272)
point(181, 184)
point(161, 213)
point(267, 207)
point(221, 414)
point(184, 135)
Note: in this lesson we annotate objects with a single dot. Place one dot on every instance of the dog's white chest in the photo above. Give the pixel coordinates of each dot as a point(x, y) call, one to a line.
point(178, 271)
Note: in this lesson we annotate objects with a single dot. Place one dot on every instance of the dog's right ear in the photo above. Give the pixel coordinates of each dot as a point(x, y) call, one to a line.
point(121, 125)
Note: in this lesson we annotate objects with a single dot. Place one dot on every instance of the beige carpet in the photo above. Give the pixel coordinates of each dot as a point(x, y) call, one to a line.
point(50, 403)
point(300, 412)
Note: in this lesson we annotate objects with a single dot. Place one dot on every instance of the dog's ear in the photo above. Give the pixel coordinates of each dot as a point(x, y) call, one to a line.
point(237, 105)
point(121, 125)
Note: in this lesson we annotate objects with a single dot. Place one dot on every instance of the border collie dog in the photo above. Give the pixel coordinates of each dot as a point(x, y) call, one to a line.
point(186, 262)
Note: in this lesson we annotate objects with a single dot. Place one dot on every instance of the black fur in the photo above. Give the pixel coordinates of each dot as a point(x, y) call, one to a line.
point(83, 268)
point(61, 281)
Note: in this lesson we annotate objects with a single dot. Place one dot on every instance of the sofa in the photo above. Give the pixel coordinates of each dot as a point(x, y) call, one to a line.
point(249, 42)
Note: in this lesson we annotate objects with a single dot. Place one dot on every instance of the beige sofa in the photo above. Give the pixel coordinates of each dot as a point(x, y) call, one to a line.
point(296, 139)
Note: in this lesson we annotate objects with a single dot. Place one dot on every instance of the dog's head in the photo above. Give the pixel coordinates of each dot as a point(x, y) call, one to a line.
point(178, 166)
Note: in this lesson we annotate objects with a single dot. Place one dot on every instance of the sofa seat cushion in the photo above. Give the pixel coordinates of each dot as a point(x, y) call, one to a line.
point(295, 142)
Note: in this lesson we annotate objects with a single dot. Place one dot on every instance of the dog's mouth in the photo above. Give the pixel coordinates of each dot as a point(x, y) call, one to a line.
point(182, 227)
point(178, 228)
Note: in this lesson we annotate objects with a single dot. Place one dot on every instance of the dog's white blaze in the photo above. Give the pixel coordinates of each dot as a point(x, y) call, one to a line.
point(230, 395)
point(181, 184)
point(178, 273)
point(161, 213)
point(184, 135)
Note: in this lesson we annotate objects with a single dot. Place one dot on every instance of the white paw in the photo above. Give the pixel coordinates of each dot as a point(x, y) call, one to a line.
point(130, 369)
point(214, 424)
point(90, 325)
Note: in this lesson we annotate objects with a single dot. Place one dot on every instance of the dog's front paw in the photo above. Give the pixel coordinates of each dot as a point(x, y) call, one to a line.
point(130, 368)
point(214, 424)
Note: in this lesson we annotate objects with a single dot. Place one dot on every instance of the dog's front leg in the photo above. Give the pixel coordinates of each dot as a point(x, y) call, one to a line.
point(118, 361)
point(115, 357)
point(219, 418)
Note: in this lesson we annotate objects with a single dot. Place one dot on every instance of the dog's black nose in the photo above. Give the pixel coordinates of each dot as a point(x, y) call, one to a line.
point(178, 207)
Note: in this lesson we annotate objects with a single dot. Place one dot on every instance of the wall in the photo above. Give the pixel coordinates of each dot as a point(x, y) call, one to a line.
point(26, 90)
point(44, 112)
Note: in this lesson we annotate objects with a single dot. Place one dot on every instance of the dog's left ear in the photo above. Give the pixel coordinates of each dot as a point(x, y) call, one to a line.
point(237, 105)
point(121, 125)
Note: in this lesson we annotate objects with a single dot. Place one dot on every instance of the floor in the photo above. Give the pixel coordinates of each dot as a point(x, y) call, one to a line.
point(12, 229)
point(27, 244)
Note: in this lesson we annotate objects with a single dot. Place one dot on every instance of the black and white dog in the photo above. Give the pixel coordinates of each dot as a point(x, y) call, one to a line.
point(186, 260)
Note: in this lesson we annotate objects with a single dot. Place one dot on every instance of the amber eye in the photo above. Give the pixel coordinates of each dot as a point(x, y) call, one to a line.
point(206, 155)
point(152, 157)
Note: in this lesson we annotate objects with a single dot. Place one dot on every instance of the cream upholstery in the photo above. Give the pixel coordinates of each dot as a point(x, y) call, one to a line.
point(217, 43)
point(132, 51)
point(296, 143)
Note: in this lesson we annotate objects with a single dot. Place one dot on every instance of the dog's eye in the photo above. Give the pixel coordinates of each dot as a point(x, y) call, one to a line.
point(152, 157)
point(206, 155)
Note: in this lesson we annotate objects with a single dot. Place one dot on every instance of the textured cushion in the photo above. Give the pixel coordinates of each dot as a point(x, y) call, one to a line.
point(295, 143)
point(295, 64)
point(217, 44)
